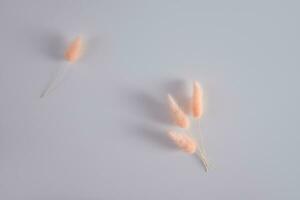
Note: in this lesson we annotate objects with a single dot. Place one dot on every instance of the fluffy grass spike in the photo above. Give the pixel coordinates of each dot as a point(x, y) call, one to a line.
point(74, 50)
point(197, 102)
point(184, 142)
point(178, 115)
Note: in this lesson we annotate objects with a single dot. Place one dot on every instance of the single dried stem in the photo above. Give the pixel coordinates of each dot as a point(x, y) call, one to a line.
point(74, 50)
point(178, 115)
point(197, 102)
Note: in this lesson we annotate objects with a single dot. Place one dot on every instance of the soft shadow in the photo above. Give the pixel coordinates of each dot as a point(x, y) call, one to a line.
point(181, 91)
point(53, 45)
point(156, 110)
point(155, 136)
point(152, 115)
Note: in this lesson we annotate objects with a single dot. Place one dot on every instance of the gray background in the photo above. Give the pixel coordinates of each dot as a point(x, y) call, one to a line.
point(101, 134)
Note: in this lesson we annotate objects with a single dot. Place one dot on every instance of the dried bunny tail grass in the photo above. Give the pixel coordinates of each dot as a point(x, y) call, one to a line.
point(72, 54)
point(74, 50)
point(184, 142)
point(197, 102)
point(179, 116)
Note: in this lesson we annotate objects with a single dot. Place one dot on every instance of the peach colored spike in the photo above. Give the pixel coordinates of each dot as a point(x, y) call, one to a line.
point(74, 50)
point(197, 102)
point(179, 116)
point(184, 142)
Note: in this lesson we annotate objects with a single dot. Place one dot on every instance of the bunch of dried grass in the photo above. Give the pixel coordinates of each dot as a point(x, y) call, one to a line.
point(183, 140)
